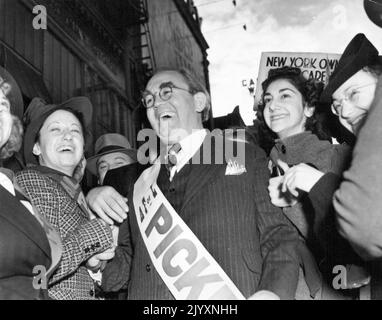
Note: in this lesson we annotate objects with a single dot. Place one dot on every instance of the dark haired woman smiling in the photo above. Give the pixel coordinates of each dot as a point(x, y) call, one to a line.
point(54, 144)
point(288, 113)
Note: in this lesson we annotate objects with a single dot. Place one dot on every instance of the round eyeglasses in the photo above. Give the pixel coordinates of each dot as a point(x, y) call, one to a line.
point(351, 96)
point(165, 93)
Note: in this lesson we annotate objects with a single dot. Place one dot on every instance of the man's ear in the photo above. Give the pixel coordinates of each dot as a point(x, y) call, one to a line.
point(36, 149)
point(200, 101)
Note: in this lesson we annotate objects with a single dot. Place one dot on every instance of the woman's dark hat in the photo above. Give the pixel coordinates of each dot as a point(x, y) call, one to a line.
point(12, 91)
point(359, 53)
point(110, 143)
point(373, 10)
point(38, 111)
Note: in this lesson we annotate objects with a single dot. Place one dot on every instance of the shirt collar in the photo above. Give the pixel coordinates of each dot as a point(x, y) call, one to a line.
point(6, 183)
point(190, 145)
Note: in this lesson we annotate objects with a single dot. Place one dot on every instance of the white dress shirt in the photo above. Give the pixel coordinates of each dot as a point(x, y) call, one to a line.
point(7, 184)
point(190, 145)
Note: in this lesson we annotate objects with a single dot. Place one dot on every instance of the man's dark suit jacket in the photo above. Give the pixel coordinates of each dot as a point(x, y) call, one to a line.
point(23, 245)
point(233, 218)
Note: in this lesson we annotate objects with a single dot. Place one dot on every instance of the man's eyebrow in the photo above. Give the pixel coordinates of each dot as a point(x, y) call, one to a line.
point(120, 158)
point(166, 84)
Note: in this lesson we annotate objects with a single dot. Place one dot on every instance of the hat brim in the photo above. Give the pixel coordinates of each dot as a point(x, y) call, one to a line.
point(340, 78)
point(359, 53)
point(81, 105)
point(15, 96)
point(91, 163)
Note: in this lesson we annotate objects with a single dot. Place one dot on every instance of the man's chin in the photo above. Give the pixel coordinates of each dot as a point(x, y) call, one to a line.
point(168, 140)
point(173, 136)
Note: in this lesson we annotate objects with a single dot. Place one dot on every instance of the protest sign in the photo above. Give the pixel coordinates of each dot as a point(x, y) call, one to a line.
point(313, 65)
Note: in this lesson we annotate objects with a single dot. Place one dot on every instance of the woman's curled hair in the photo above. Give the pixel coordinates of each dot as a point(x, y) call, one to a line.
point(15, 140)
point(310, 90)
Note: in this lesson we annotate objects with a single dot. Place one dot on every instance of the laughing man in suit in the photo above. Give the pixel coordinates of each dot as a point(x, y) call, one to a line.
point(226, 206)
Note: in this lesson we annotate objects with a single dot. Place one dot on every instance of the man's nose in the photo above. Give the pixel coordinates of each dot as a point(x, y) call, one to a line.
point(158, 101)
point(158, 107)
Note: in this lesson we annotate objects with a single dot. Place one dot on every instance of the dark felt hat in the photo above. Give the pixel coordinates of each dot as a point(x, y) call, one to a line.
point(373, 9)
point(38, 111)
point(110, 143)
point(359, 53)
point(12, 91)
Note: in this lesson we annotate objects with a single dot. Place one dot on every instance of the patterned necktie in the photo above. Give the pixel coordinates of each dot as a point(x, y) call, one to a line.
point(171, 156)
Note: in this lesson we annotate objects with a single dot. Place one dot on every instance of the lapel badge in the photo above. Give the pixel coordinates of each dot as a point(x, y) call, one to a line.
point(234, 168)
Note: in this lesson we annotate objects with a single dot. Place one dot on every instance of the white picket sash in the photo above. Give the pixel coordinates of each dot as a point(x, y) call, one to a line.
point(186, 267)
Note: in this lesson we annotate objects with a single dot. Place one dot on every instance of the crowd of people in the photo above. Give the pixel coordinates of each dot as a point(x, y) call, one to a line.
point(276, 223)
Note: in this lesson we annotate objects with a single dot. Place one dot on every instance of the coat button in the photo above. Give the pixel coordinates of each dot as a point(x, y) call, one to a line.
point(283, 149)
point(172, 190)
point(148, 268)
point(91, 292)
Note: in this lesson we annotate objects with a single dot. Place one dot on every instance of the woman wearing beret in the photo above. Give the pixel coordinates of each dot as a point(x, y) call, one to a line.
point(350, 93)
point(288, 110)
point(29, 246)
point(54, 144)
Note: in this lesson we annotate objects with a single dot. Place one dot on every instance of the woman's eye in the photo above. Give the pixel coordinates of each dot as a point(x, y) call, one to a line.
point(267, 100)
point(285, 96)
point(353, 94)
point(76, 130)
point(55, 129)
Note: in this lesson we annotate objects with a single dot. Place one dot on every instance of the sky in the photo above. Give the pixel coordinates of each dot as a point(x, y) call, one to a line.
point(272, 25)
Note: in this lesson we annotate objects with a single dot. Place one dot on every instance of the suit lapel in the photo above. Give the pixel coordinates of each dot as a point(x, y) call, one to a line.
point(23, 220)
point(203, 173)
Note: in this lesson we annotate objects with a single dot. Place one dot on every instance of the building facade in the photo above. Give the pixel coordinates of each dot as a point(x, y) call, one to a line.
point(103, 49)
point(176, 37)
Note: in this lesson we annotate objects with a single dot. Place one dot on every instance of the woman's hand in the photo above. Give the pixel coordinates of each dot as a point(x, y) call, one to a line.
point(95, 262)
point(299, 177)
point(278, 198)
